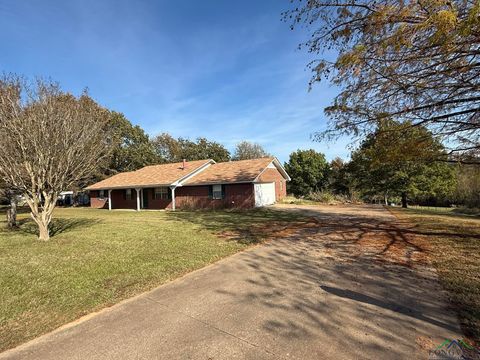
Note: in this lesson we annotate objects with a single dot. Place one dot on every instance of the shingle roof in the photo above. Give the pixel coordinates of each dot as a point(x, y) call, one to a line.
point(164, 174)
point(231, 172)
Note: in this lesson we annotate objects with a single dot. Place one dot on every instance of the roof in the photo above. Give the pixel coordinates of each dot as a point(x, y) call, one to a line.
point(153, 175)
point(200, 172)
point(231, 172)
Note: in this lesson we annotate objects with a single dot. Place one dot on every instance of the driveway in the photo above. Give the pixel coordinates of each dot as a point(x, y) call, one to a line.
point(352, 283)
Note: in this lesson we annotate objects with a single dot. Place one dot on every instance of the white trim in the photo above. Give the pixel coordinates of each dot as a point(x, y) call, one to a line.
point(109, 199)
point(198, 170)
point(279, 167)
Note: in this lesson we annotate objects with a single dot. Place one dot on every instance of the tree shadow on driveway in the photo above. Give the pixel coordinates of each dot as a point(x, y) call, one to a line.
point(351, 285)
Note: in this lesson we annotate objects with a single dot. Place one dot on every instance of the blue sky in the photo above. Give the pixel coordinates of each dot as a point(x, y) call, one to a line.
point(225, 70)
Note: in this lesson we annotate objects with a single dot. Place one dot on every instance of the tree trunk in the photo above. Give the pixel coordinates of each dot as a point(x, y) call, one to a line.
point(43, 232)
point(12, 213)
point(42, 215)
point(404, 200)
point(385, 197)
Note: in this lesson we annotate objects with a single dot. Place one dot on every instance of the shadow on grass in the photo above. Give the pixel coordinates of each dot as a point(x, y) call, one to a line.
point(454, 213)
point(244, 226)
point(57, 226)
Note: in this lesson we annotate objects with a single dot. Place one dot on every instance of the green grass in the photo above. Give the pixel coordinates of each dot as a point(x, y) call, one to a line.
point(97, 258)
point(455, 254)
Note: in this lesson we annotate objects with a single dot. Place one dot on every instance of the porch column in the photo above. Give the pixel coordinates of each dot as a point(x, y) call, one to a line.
point(141, 199)
point(173, 196)
point(109, 199)
point(138, 199)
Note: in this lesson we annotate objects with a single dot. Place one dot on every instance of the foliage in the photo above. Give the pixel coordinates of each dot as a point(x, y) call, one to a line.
point(132, 148)
point(397, 159)
point(169, 149)
point(414, 61)
point(49, 141)
point(467, 191)
point(340, 181)
point(308, 170)
point(245, 150)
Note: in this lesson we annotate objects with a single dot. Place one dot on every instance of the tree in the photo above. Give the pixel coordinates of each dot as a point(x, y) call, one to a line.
point(49, 141)
point(308, 170)
point(10, 196)
point(132, 148)
point(245, 150)
point(171, 150)
point(166, 147)
point(397, 160)
point(415, 61)
point(339, 179)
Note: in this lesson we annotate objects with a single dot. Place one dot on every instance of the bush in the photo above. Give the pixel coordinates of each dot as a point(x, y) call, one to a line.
point(326, 197)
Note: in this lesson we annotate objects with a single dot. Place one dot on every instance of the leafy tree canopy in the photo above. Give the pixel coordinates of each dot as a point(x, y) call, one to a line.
point(396, 160)
point(308, 170)
point(245, 150)
point(415, 61)
point(170, 149)
point(132, 148)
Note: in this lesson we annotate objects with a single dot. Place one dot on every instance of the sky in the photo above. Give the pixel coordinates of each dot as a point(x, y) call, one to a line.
point(225, 70)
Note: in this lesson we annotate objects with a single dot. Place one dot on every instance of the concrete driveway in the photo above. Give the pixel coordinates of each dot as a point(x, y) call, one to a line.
point(351, 284)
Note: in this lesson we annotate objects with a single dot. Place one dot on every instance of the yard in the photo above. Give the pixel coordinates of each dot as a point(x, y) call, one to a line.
point(455, 254)
point(97, 258)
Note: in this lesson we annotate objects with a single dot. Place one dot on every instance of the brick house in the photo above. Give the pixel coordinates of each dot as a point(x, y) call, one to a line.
point(194, 185)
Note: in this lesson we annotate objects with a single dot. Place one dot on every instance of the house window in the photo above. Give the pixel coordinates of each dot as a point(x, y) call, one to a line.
point(217, 192)
point(128, 194)
point(101, 194)
point(161, 193)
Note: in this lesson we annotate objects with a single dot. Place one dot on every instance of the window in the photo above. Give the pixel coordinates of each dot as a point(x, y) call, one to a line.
point(128, 194)
point(161, 193)
point(101, 194)
point(217, 192)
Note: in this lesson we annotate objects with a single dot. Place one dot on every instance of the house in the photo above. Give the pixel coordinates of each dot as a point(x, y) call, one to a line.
point(194, 185)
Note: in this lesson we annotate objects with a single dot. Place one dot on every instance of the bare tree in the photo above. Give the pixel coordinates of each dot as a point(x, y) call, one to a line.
point(49, 141)
point(245, 150)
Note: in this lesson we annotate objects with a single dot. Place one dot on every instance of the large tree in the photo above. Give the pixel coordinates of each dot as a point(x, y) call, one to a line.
point(308, 170)
point(49, 141)
point(246, 150)
point(398, 160)
point(132, 148)
point(170, 149)
point(416, 61)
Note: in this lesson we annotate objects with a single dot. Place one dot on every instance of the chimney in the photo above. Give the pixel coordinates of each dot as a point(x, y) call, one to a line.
point(184, 164)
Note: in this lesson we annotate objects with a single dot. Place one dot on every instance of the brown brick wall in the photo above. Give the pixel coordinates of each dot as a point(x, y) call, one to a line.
point(196, 197)
point(273, 175)
point(186, 197)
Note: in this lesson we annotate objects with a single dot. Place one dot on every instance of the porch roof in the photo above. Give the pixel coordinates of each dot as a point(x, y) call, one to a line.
point(154, 175)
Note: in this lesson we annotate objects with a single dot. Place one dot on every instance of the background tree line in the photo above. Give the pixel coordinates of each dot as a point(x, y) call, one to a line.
point(397, 163)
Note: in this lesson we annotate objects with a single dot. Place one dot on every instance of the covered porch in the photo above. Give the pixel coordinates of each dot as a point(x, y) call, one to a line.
point(137, 198)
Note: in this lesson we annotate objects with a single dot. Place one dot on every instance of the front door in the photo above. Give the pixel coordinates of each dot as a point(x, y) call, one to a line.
point(145, 198)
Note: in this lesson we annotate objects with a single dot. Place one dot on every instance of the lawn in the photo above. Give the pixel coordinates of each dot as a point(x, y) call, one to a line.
point(97, 258)
point(456, 256)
